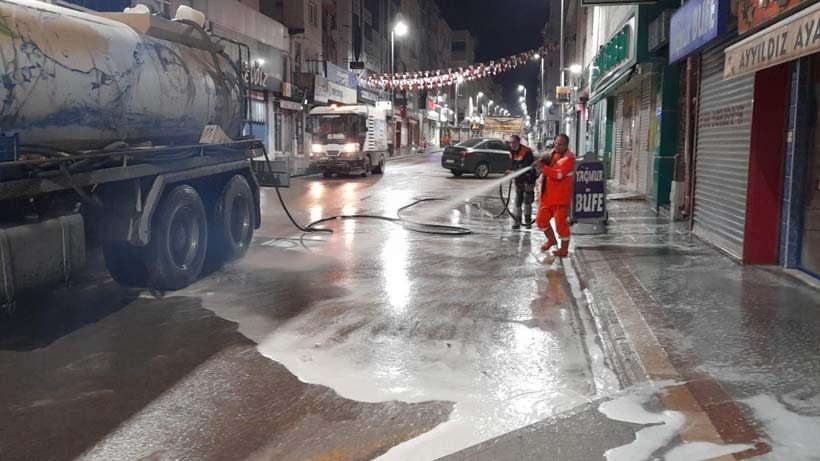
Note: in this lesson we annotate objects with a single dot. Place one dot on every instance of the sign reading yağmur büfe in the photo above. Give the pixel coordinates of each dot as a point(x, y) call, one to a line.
point(796, 36)
point(589, 201)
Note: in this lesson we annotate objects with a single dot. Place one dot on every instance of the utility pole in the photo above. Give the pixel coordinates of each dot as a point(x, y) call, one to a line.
point(561, 43)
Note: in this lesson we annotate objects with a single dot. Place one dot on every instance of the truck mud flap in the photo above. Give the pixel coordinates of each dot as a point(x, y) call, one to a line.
point(274, 174)
point(41, 253)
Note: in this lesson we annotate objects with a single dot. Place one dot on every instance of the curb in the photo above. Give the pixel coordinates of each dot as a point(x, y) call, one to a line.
point(620, 357)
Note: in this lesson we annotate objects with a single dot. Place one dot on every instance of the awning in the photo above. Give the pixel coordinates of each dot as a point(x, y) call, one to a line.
point(611, 87)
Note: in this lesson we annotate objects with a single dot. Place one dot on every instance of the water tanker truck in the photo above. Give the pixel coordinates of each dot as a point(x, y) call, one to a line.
point(120, 131)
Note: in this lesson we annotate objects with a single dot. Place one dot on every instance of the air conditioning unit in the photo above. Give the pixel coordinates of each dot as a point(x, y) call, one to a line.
point(659, 30)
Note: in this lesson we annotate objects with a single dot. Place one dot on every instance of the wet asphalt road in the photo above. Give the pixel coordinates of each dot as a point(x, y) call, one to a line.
point(373, 341)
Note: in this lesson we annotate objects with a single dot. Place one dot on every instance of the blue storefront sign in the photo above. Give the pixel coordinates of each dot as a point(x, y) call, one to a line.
point(339, 76)
point(589, 199)
point(694, 25)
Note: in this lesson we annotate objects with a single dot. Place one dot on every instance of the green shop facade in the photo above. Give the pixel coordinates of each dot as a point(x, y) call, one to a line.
point(633, 106)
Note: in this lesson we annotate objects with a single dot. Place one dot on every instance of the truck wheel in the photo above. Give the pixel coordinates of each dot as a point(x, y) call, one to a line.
point(233, 220)
point(179, 236)
point(381, 166)
point(126, 264)
point(368, 165)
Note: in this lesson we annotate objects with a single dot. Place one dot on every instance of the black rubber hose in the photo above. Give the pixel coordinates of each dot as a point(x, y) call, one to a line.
point(506, 203)
point(424, 228)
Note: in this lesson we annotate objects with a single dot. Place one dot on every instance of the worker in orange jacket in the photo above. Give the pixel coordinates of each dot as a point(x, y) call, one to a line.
point(556, 195)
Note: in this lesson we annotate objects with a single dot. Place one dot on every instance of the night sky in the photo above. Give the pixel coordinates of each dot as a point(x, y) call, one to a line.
point(503, 28)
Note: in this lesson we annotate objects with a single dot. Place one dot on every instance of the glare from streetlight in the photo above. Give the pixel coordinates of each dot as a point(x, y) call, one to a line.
point(536, 56)
point(549, 104)
point(521, 99)
point(521, 88)
point(575, 68)
point(400, 29)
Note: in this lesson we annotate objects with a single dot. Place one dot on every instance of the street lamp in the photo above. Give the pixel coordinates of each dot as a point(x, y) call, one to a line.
point(575, 69)
point(549, 104)
point(399, 30)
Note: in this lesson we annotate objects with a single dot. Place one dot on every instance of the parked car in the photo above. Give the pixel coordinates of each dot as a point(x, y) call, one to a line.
point(478, 156)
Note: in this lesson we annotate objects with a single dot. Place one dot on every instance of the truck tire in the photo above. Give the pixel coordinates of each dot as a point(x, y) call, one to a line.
point(179, 240)
point(368, 165)
point(126, 264)
point(233, 220)
point(381, 166)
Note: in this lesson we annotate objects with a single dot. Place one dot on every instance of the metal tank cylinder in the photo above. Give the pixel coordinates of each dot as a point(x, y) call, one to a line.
point(77, 81)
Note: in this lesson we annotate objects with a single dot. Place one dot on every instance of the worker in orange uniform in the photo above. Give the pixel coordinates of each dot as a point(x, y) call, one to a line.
point(556, 195)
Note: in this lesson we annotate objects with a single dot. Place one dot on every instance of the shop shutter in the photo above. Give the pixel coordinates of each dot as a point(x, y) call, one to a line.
point(722, 156)
point(618, 149)
point(644, 155)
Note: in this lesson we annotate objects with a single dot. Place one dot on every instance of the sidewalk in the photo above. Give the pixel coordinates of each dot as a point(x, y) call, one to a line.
point(743, 339)
point(717, 360)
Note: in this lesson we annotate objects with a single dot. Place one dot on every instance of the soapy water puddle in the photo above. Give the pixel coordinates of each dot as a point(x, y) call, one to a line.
point(660, 430)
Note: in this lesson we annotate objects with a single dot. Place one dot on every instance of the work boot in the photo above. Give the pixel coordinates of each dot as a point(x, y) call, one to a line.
point(551, 241)
point(563, 251)
point(527, 221)
point(516, 222)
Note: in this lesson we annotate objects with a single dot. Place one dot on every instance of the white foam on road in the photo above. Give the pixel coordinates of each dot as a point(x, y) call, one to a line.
point(661, 429)
point(368, 368)
point(792, 436)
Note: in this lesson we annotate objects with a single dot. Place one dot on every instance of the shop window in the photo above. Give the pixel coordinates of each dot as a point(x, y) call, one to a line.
point(810, 241)
point(258, 109)
point(313, 14)
point(277, 127)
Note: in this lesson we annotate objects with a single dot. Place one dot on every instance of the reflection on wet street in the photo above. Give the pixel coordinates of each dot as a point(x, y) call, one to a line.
point(373, 341)
point(378, 342)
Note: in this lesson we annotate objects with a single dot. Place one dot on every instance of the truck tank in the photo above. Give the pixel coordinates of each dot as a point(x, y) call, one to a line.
point(80, 81)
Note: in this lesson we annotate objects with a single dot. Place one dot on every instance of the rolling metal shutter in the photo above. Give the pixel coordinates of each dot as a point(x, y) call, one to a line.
point(722, 156)
point(644, 156)
point(619, 126)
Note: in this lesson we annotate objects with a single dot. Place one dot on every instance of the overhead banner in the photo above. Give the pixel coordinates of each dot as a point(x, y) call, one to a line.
point(694, 25)
point(504, 124)
point(794, 37)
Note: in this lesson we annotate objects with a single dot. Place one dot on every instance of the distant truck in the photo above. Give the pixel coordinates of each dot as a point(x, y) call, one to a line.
point(121, 131)
point(348, 139)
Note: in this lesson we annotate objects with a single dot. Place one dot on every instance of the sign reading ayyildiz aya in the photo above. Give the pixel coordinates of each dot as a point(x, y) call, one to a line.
point(589, 201)
point(795, 36)
point(694, 25)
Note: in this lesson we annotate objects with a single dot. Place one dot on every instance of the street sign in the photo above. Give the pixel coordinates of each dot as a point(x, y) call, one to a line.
point(589, 193)
point(356, 65)
point(562, 94)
